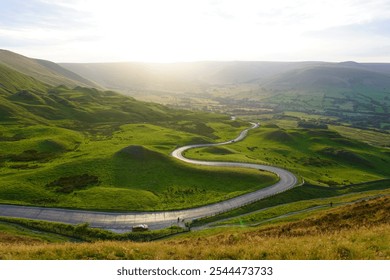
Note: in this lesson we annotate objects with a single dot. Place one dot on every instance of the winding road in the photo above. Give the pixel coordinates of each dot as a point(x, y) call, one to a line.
point(155, 220)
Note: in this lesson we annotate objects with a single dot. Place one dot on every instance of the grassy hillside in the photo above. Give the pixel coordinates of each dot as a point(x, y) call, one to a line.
point(321, 156)
point(12, 81)
point(45, 71)
point(132, 168)
point(79, 147)
point(91, 149)
point(357, 231)
point(330, 76)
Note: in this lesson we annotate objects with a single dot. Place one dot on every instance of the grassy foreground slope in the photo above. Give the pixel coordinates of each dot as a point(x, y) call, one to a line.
point(357, 231)
point(90, 149)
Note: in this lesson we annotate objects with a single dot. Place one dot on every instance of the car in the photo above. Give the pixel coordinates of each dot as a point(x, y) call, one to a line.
point(141, 227)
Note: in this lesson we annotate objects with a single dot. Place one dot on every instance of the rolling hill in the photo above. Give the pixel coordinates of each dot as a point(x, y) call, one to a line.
point(26, 99)
point(278, 75)
point(330, 77)
point(87, 148)
point(66, 144)
point(45, 71)
point(196, 76)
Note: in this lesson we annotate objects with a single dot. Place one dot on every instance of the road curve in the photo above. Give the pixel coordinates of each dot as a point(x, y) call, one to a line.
point(124, 221)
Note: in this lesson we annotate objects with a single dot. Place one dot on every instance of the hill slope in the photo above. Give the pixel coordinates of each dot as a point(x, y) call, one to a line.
point(26, 99)
point(64, 147)
point(357, 93)
point(172, 76)
point(42, 70)
point(330, 77)
point(178, 76)
point(358, 231)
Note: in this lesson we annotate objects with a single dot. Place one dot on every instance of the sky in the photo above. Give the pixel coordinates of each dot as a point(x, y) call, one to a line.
point(197, 30)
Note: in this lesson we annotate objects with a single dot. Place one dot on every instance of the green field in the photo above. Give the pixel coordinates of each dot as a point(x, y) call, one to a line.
point(321, 157)
point(133, 168)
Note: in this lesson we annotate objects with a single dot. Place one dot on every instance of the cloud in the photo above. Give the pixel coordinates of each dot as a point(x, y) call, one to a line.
point(375, 28)
point(194, 29)
point(31, 26)
point(38, 14)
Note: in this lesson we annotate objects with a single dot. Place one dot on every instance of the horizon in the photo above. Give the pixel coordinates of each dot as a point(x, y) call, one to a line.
point(203, 61)
point(175, 31)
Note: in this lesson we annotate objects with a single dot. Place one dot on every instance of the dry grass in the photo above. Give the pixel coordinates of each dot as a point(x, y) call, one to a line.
point(358, 231)
point(8, 238)
point(348, 244)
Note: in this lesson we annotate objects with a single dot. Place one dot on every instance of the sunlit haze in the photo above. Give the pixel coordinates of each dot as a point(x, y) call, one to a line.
point(178, 30)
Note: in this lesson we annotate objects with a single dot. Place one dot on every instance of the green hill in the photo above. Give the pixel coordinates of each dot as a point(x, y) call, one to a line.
point(63, 144)
point(42, 70)
point(320, 156)
point(330, 77)
point(28, 100)
point(12, 81)
point(92, 149)
point(332, 89)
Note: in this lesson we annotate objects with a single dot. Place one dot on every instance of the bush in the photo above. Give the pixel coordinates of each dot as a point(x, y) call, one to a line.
point(72, 183)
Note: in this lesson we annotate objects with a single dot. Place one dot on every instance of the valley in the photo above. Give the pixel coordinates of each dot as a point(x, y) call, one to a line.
point(100, 137)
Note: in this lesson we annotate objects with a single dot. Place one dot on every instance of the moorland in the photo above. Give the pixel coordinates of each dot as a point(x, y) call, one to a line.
point(99, 137)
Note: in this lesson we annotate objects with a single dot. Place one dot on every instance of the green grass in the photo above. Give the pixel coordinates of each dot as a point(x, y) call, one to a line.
point(300, 195)
point(85, 131)
point(322, 157)
point(12, 81)
point(369, 136)
point(357, 231)
point(133, 166)
point(58, 232)
point(17, 234)
point(293, 210)
point(53, 137)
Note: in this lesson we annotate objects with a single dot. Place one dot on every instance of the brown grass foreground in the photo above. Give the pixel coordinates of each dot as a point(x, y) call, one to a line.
point(358, 231)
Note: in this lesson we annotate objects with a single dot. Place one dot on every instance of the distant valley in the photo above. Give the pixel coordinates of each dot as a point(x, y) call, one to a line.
point(356, 93)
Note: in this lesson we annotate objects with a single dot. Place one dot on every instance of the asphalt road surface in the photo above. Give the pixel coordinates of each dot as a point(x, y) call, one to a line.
point(161, 219)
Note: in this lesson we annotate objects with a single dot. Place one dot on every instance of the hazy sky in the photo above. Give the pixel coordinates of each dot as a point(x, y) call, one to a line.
point(190, 30)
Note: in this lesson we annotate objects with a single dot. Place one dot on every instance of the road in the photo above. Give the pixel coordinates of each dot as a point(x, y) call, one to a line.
point(160, 219)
